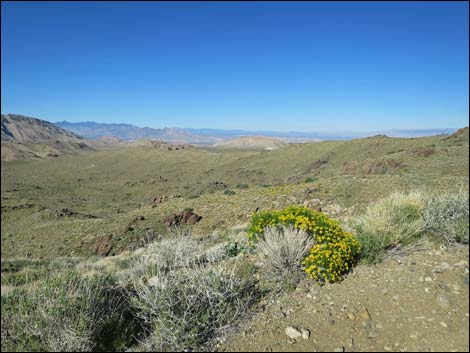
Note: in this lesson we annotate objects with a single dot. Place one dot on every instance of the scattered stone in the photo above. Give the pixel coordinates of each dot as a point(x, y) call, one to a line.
point(338, 349)
point(443, 324)
point(351, 316)
point(292, 332)
point(388, 348)
point(444, 266)
point(442, 300)
point(363, 315)
point(305, 333)
point(427, 279)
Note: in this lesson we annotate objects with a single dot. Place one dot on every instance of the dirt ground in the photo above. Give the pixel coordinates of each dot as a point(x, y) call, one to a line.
point(417, 302)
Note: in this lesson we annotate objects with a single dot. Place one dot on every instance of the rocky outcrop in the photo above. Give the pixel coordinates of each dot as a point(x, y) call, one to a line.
point(187, 217)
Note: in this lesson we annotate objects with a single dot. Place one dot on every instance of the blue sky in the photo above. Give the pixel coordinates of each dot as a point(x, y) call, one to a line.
point(303, 66)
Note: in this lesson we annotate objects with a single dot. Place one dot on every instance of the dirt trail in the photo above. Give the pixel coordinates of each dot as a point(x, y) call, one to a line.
point(419, 302)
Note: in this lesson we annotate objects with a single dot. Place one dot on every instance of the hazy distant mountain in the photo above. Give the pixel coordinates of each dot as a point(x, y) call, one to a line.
point(129, 132)
point(208, 136)
point(252, 143)
point(295, 136)
point(24, 137)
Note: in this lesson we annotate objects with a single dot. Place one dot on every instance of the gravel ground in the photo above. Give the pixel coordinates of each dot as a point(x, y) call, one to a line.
point(417, 302)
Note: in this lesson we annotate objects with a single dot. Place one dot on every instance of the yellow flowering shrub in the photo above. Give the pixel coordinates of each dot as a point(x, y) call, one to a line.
point(328, 261)
point(334, 251)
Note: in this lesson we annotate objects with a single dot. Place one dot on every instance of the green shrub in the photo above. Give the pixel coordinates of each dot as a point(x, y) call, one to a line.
point(373, 247)
point(229, 192)
point(25, 276)
point(232, 249)
point(310, 179)
point(387, 224)
point(335, 250)
point(446, 215)
point(242, 186)
point(65, 312)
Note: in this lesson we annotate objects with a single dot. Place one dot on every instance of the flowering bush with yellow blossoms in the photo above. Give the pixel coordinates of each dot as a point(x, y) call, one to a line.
point(334, 251)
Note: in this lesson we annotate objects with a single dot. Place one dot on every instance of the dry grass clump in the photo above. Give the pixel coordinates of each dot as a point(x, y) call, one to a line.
point(283, 249)
point(390, 223)
point(396, 223)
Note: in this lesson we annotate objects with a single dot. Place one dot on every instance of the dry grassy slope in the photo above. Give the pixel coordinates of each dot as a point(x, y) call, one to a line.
point(29, 138)
point(115, 186)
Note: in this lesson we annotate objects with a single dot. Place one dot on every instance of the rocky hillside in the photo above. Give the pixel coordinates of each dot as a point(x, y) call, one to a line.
point(417, 302)
point(29, 138)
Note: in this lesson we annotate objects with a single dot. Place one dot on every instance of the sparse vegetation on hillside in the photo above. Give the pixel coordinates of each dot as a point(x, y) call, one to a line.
point(104, 214)
point(107, 191)
point(332, 250)
point(65, 311)
point(401, 219)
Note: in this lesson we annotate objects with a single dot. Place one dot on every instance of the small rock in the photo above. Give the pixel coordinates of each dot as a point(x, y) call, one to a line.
point(372, 334)
point(444, 266)
point(292, 332)
point(443, 324)
point(442, 300)
point(388, 348)
point(462, 263)
point(351, 316)
point(339, 349)
point(427, 279)
point(305, 333)
point(363, 315)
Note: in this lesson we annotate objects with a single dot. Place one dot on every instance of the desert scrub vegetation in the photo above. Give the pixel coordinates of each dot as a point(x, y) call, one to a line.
point(282, 251)
point(392, 222)
point(186, 309)
point(334, 251)
point(66, 311)
point(400, 220)
point(179, 292)
point(446, 215)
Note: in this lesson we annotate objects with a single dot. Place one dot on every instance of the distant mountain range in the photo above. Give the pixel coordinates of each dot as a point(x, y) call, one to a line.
point(127, 132)
point(95, 130)
point(24, 137)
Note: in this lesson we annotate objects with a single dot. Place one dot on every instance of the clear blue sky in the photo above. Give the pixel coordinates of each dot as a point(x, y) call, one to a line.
point(273, 65)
